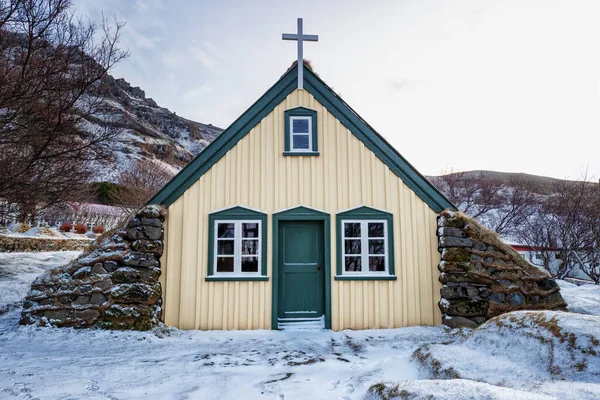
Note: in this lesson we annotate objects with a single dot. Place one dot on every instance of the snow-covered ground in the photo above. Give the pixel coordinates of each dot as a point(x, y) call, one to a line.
point(584, 299)
point(493, 363)
point(18, 270)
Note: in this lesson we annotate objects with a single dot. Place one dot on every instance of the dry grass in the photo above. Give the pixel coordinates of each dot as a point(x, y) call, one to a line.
point(480, 234)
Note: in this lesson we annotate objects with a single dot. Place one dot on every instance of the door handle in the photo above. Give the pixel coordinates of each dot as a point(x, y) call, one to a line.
point(318, 267)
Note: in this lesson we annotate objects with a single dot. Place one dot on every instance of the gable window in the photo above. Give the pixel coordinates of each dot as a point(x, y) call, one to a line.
point(300, 132)
point(237, 245)
point(365, 244)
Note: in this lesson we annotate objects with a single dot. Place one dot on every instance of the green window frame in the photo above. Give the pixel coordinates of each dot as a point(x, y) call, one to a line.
point(301, 114)
point(356, 247)
point(235, 217)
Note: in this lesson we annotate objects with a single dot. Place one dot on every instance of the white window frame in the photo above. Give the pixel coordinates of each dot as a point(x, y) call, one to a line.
point(364, 247)
point(310, 134)
point(237, 248)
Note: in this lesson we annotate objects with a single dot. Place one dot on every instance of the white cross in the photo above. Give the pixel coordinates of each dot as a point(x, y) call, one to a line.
point(300, 37)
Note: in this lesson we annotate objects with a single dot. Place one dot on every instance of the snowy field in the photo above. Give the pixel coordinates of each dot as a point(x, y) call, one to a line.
point(497, 362)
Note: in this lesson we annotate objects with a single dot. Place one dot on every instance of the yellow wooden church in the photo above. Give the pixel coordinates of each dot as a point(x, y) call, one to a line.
point(299, 213)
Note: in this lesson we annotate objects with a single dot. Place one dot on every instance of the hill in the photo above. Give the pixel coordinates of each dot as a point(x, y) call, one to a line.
point(148, 131)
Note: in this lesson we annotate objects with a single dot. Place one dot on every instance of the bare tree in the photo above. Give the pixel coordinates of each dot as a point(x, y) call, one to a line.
point(140, 180)
point(568, 223)
point(52, 71)
point(498, 205)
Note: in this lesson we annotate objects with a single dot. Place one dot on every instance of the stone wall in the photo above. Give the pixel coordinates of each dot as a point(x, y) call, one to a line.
point(10, 244)
point(482, 277)
point(113, 285)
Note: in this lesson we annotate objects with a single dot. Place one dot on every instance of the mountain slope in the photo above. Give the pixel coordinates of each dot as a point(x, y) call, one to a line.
point(147, 131)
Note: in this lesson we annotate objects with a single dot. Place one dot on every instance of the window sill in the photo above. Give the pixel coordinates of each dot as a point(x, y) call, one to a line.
point(301, 153)
point(365, 278)
point(235, 278)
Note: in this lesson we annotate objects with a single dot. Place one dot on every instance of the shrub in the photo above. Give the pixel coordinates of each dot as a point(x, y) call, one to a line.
point(65, 227)
point(22, 227)
point(98, 229)
point(81, 228)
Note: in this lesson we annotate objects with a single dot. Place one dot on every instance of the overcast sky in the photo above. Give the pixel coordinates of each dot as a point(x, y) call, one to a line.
point(507, 85)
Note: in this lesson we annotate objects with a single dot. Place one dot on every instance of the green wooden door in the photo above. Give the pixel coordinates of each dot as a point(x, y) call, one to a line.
point(301, 280)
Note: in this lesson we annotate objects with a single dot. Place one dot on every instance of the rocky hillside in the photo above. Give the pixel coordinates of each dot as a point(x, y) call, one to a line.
point(147, 131)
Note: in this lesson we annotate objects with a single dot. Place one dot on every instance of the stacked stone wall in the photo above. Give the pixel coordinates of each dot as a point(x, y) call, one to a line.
point(482, 277)
point(113, 285)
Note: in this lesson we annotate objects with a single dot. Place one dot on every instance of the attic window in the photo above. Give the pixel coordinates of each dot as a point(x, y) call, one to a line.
point(300, 132)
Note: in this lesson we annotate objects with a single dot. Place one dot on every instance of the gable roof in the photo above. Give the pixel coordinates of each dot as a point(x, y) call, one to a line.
point(336, 106)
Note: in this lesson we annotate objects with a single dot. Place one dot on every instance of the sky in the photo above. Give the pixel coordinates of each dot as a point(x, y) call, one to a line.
point(505, 85)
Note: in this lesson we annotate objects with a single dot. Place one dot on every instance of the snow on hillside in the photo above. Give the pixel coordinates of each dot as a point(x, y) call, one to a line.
point(147, 131)
point(510, 360)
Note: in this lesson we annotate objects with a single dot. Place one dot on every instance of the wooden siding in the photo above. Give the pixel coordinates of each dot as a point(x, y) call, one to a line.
point(255, 174)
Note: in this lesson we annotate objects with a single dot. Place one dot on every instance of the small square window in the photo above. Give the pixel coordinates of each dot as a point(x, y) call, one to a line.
point(300, 132)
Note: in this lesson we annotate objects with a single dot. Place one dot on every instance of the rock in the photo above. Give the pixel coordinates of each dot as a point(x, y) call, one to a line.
point(145, 232)
point(46, 302)
point(103, 285)
point(464, 308)
point(469, 278)
point(451, 231)
point(82, 300)
point(56, 315)
point(475, 257)
point(151, 222)
point(127, 275)
point(497, 297)
point(456, 254)
point(135, 293)
point(82, 273)
point(85, 289)
point(515, 299)
point(459, 322)
point(451, 241)
point(460, 292)
point(137, 317)
point(454, 266)
point(110, 266)
point(98, 269)
point(148, 246)
point(89, 315)
point(480, 246)
point(98, 299)
point(137, 259)
point(547, 284)
point(485, 292)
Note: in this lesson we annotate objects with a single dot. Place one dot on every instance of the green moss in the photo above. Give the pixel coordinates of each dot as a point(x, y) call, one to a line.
point(456, 254)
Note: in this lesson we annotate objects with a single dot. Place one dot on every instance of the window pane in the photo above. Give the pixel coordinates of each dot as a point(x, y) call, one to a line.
point(376, 229)
point(300, 125)
point(352, 229)
point(352, 246)
point(376, 246)
point(249, 264)
point(250, 230)
point(352, 264)
point(225, 247)
point(250, 247)
point(300, 142)
point(377, 263)
point(225, 230)
point(224, 264)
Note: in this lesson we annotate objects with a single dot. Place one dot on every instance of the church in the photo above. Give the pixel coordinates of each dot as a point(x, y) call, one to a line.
point(300, 214)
